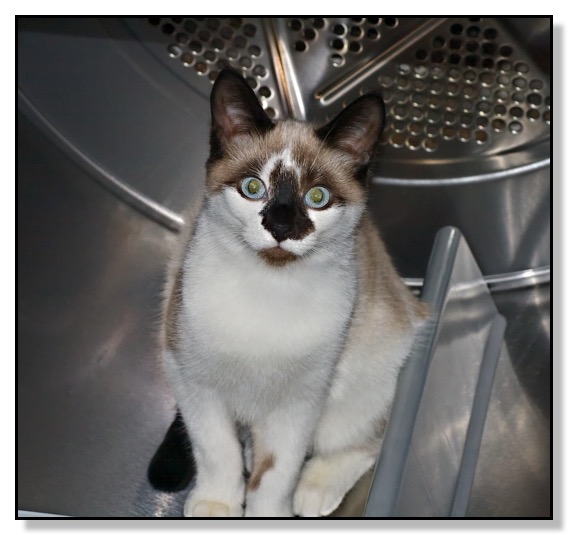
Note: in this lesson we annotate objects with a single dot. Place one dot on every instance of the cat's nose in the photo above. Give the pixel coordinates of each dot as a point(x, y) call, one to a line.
point(279, 221)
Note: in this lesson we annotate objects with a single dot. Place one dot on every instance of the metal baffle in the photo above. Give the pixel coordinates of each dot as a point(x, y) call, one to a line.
point(427, 463)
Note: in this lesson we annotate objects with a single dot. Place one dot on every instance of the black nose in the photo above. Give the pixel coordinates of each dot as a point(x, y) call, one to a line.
point(279, 221)
point(284, 216)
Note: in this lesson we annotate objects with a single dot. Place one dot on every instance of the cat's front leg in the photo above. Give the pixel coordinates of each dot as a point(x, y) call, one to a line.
point(280, 441)
point(219, 486)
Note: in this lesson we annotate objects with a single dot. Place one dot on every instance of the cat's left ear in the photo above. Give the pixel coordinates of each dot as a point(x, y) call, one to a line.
point(357, 128)
point(235, 110)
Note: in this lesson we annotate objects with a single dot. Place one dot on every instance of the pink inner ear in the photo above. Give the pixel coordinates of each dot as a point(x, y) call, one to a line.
point(360, 139)
point(232, 121)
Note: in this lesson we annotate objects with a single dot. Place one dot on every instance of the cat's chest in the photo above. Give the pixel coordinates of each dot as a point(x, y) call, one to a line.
point(243, 309)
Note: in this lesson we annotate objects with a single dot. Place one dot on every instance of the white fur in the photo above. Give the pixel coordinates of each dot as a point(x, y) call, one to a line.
point(284, 351)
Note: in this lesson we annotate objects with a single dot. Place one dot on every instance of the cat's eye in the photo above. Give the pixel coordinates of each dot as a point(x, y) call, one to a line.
point(253, 188)
point(317, 197)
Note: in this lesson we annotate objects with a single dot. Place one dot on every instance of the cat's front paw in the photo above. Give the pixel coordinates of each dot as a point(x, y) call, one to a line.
point(199, 506)
point(317, 494)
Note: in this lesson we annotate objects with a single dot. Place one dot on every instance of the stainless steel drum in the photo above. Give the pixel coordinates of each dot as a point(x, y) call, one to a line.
point(467, 140)
point(112, 140)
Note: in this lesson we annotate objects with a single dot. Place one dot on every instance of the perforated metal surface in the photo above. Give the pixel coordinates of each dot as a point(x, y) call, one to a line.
point(198, 48)
point(456, 87)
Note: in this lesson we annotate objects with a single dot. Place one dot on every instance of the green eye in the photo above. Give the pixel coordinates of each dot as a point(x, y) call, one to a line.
point(317, 197)
point(253, 188)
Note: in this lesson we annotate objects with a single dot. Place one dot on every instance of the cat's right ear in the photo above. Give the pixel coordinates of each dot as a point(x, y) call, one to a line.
point(235, 111)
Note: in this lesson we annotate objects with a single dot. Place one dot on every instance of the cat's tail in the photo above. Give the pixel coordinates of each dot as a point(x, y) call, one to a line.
point(172, 467)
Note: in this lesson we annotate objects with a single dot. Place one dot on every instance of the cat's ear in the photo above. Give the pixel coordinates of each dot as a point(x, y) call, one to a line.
point(357, 128)
point(235, 110)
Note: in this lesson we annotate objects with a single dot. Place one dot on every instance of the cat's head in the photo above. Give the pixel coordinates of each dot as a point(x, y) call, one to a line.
point(287, 189)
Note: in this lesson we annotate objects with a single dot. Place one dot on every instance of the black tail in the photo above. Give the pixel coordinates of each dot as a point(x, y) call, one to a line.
point(172, 467)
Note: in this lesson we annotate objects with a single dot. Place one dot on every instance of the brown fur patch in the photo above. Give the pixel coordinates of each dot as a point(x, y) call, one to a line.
point(380, 283)
point(260, 468)
point(172, 311)
point(276, 256)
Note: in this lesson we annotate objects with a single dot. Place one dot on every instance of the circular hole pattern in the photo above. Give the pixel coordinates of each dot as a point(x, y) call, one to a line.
point(213, 24)
point(260, 71)
point(515, 127)
point(219, 43)
point(190, 25)
point(196, 46)
point(187, 59)
point(168, 28)
point(174, 51)
point(456, 29)
point(182, 38)
point(516, 111)
point(498, 125)
point(245, 62)
point(546, 116)
point(480, 136)
point(533, 114)
point(460, 86)
point(295, 25)
point(338, 44)
point(201, 68)
point(534, 99)
point(373, 33)
point(319, 23)
point(209, 56)
point(356, 31)
point(227, 33)
point(240, 41)
point(337, 60)
point(204, 35)
point(438, 42)
point(310, 34)
point(339, 29)
point(249, 30)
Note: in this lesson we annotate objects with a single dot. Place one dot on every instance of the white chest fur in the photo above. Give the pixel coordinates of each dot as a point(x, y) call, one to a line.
point(235, 305)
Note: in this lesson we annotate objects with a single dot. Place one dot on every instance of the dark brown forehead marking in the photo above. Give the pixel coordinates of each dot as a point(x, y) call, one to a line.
point(280, 174)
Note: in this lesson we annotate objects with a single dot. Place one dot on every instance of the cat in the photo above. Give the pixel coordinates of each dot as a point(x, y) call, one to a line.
point(284, 316)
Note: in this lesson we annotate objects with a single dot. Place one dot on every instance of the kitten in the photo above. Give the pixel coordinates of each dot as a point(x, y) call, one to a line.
point(284, 315)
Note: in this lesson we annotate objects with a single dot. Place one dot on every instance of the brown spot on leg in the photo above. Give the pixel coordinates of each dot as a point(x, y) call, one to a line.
point(260, 468)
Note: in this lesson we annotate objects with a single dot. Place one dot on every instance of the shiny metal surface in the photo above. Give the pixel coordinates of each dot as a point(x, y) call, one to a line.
point(506, 222)
point(92, 404)
point(431, 445)
point(501, 283)
point(99, 104)
point(94, 89)
point(161, 71)
point(491, 182)
point(513, 476)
